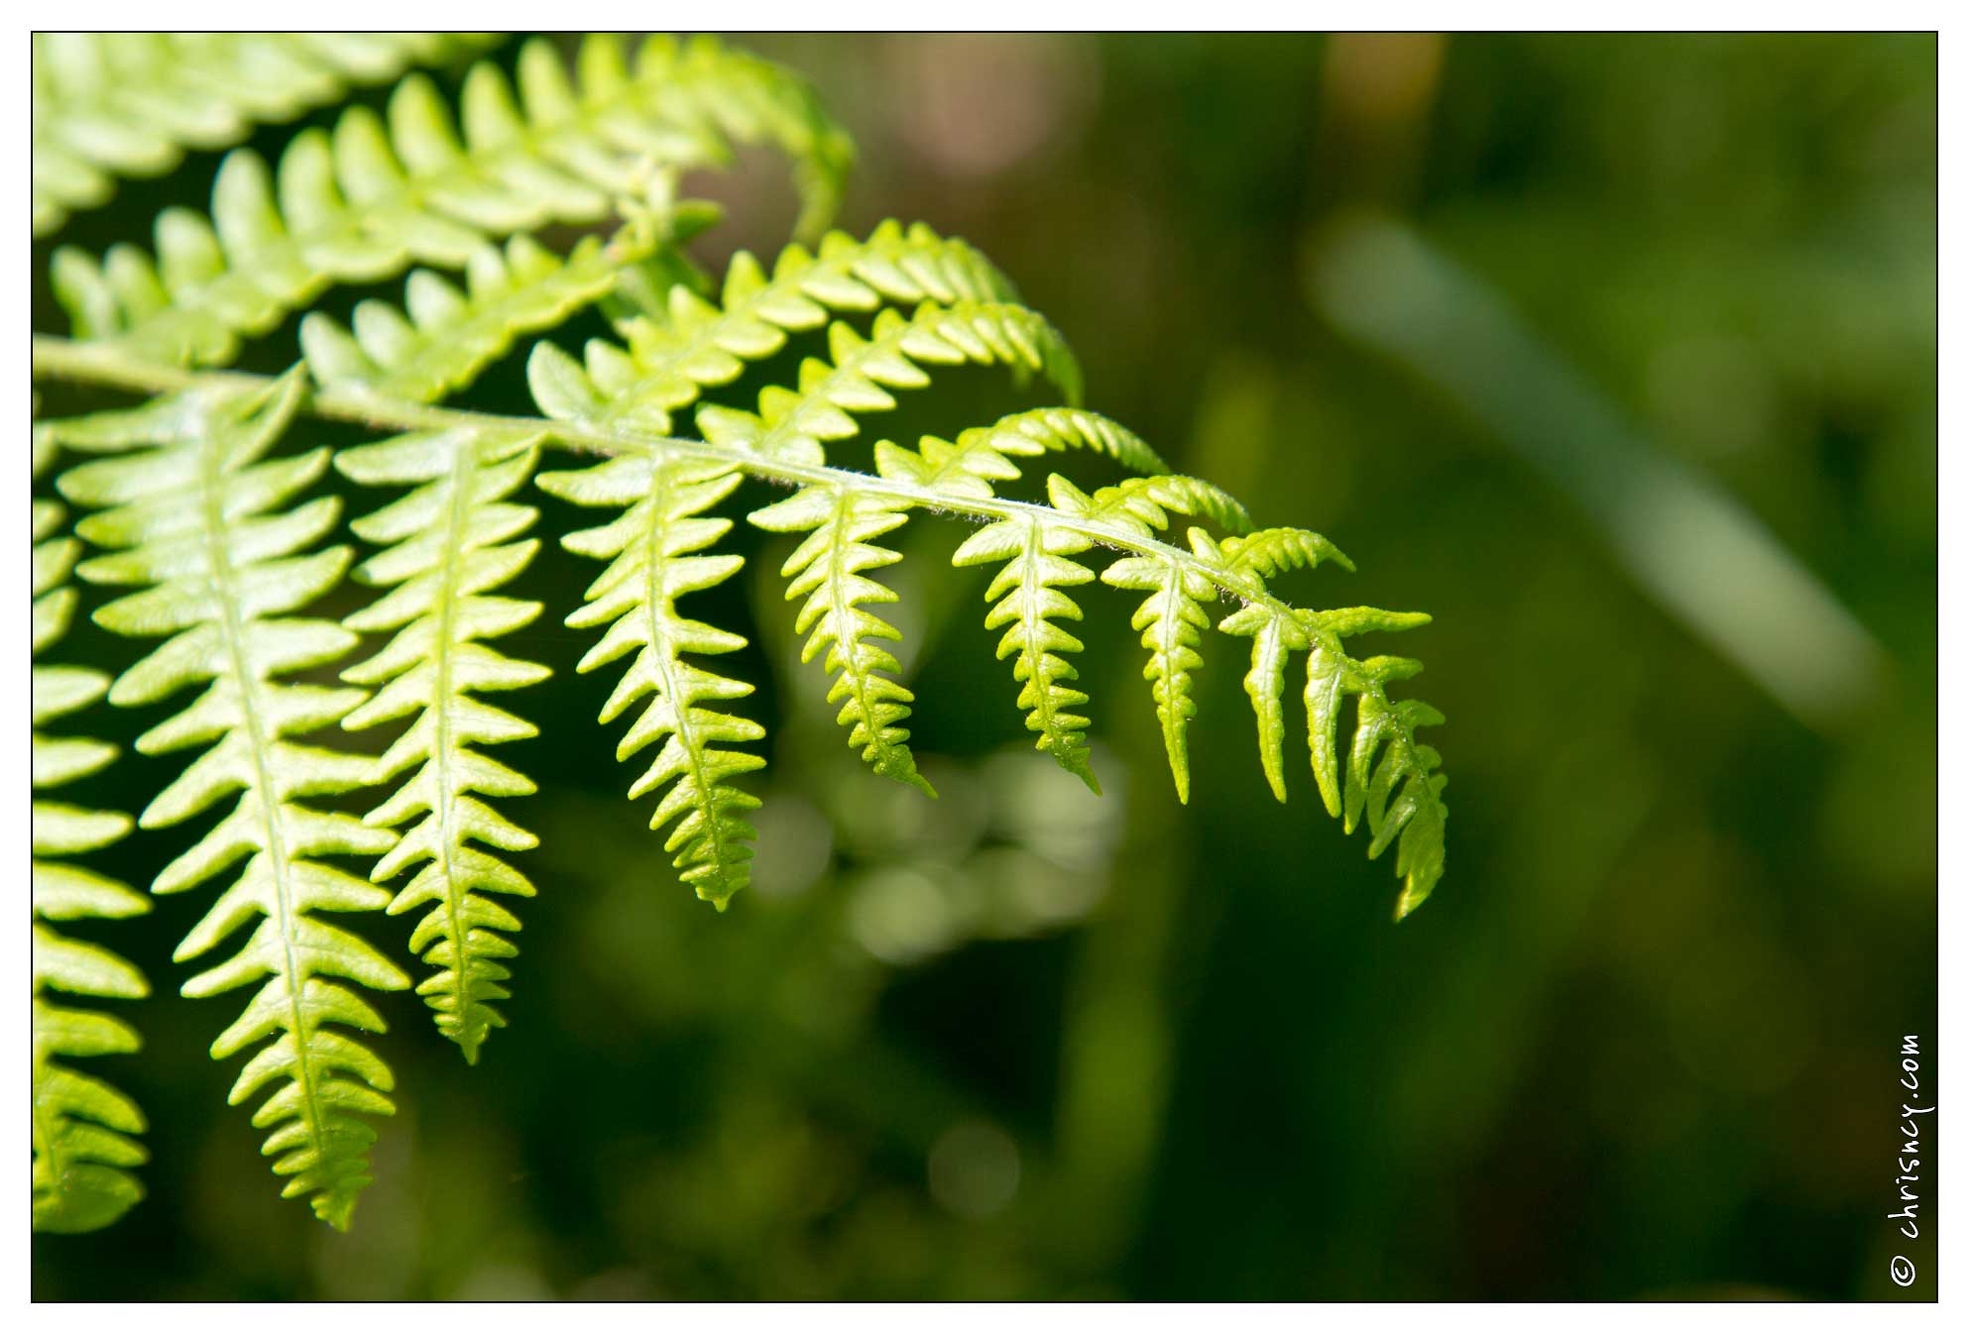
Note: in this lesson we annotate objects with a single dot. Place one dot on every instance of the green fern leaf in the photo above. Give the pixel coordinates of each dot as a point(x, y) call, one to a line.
point(447, 545)
point(652, 549)
point(1274, 638)
point(1389, 776)
point(828, 570)
point(1143, 506)
point(1061, 430)
point(84, 1129)
point(1272, 551)
point(211, 533)
point(361, 204)
point(442, 338)
point(982, 456)
point(682, 345)
point(1038, 563)
point(1171, 620)
point(795, 425)
point(193, 521)
point(132, 103)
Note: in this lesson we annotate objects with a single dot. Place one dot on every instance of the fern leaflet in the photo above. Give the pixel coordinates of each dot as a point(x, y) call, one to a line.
point(84, 1129)
point(1171, 620)
point(827, 569)
point(189, 521)
point(132, 103)
point(1038, 563)
point(448, 545)
point(681, 344)
point(362, 203)
point(653, 553)
point(447, 550)
point(442, 338)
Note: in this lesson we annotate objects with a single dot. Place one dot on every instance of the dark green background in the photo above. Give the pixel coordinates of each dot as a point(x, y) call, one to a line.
point(1642, 1042)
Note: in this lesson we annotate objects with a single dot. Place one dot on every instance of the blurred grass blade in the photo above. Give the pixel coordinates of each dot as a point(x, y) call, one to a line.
point(1694, 548)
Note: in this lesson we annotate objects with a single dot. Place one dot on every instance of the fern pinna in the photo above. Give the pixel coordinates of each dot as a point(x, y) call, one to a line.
point(210, 513)
point(84, 1129)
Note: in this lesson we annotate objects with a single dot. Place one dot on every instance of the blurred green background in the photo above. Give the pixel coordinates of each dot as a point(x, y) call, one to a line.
point(1616, 354)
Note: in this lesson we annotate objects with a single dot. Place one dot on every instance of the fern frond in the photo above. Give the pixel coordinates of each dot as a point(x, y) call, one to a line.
point(441, 338)
point(653, 553)
point(84, 1129)
point(195, 523)
point(362, 204)
point(1038, 563)
point(795, 425)
point(982, 456)
point(845, 513)
point(219, 541)
point(684, 344)
point(133, 103)
point(447, 544)
point(605, 401)
point(827, 569)
point(1272, 551)
point(1171, 620)
point(1391, 778)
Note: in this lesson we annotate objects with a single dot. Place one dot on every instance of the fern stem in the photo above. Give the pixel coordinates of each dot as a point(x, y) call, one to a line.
point(60, 358)
point(94, 363)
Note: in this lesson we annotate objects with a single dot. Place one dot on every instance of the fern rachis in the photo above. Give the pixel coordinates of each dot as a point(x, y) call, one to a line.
point(196, 506)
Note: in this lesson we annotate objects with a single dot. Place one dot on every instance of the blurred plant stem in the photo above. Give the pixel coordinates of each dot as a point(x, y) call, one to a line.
point(1117, 1051)
point(1695, 549)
